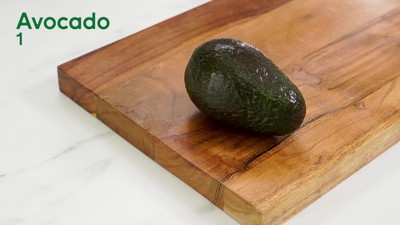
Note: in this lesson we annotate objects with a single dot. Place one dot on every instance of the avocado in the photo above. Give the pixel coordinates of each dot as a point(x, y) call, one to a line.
point(236, 84)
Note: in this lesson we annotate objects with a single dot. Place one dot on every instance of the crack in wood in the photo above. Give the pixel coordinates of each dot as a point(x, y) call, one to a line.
point(265, 150)
point(246, 164)
point(219, 185)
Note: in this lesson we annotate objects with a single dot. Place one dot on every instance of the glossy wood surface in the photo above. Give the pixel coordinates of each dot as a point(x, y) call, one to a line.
point(343, 55)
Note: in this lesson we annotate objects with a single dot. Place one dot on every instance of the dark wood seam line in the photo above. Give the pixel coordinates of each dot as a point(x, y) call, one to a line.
point(257, 155)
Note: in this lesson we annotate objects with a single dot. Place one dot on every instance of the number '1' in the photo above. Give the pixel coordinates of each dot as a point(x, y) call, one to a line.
point(20, 38)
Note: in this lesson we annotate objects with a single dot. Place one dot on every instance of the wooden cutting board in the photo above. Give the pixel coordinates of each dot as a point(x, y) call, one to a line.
point(344, 55)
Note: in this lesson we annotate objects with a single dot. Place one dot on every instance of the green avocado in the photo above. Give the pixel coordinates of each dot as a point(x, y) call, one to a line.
point(236, 84)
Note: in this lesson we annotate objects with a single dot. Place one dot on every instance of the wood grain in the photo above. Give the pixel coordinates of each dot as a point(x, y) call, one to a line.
point(343, 55)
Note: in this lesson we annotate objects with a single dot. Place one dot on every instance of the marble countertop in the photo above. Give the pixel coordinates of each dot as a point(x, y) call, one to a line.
point(59, 165)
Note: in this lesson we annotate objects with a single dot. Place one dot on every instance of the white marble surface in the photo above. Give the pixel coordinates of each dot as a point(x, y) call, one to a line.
point(59, 165)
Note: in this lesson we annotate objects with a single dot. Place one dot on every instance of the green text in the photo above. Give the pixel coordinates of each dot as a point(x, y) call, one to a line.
point(63, 23)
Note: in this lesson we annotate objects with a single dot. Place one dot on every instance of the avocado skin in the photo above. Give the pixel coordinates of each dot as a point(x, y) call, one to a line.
point(236, 84)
